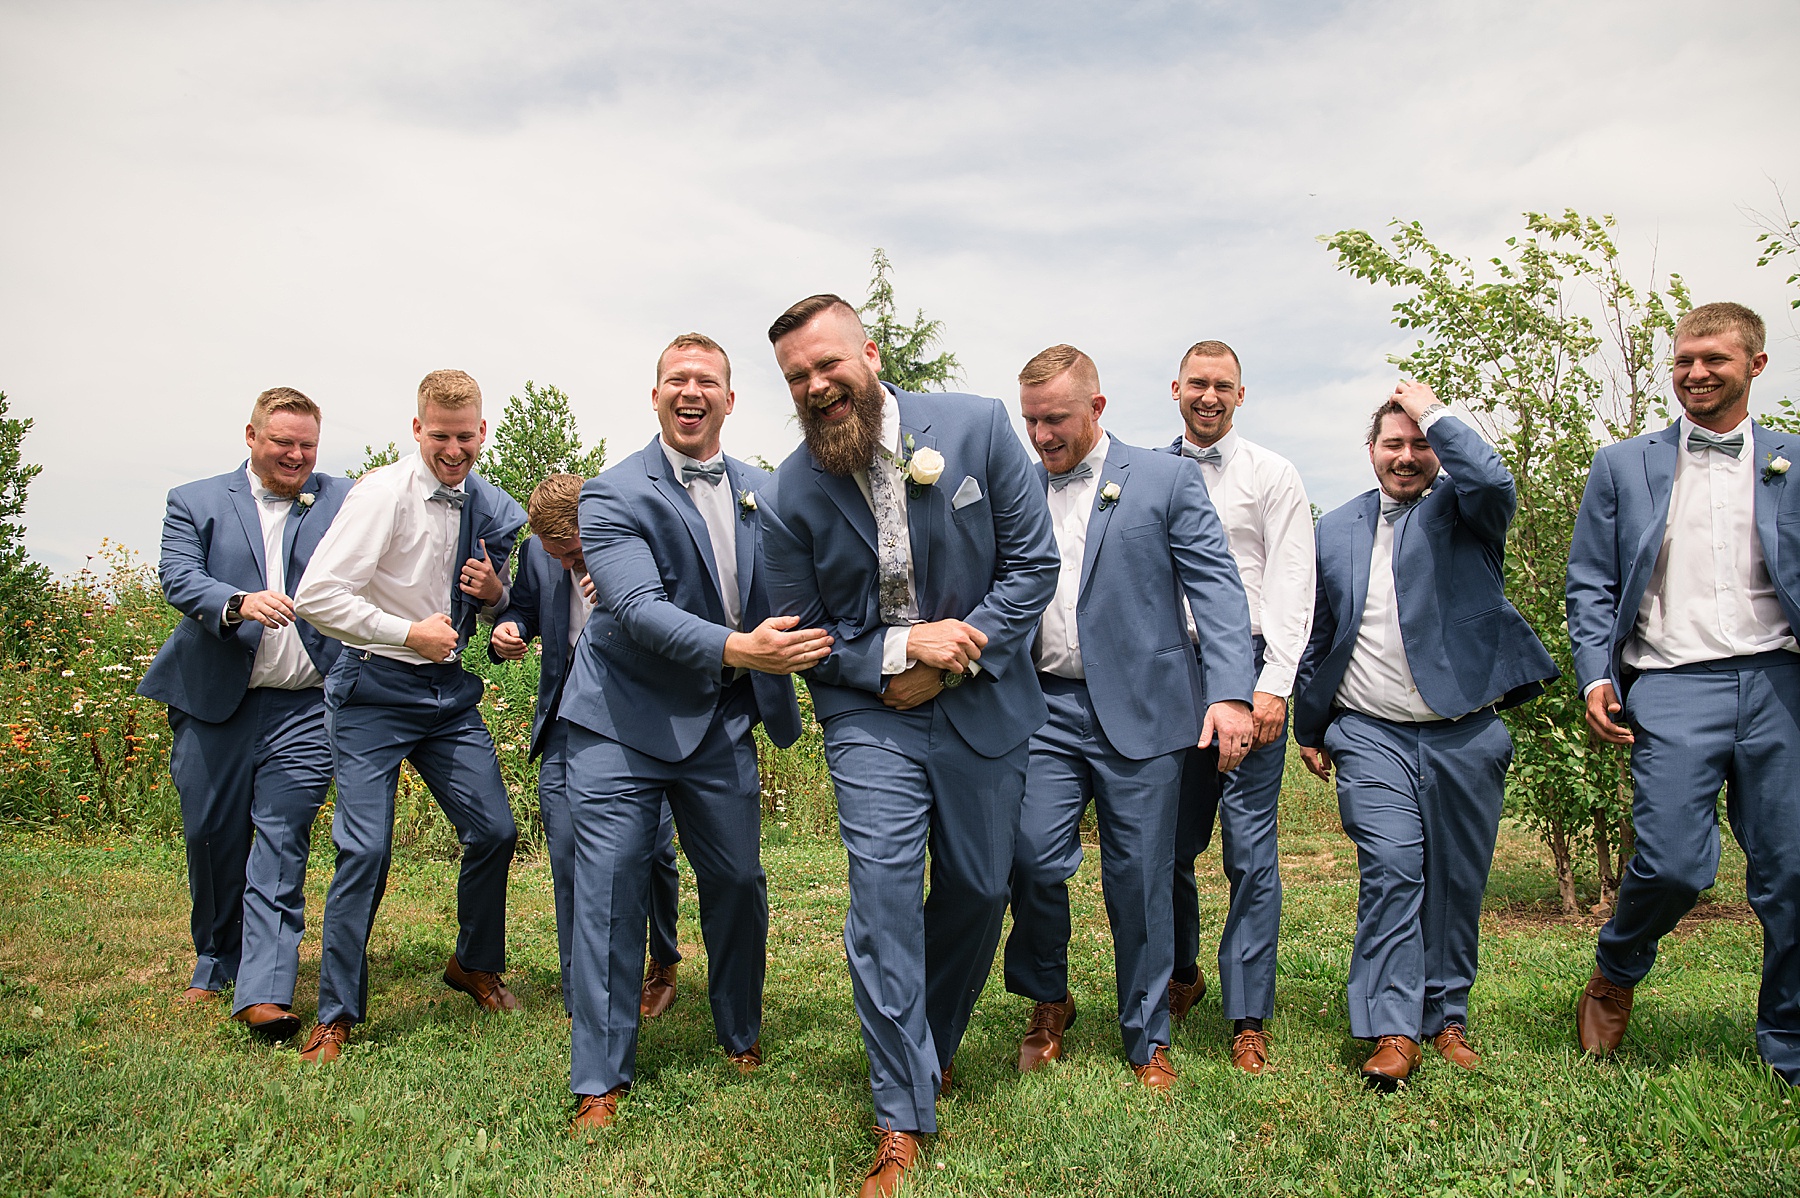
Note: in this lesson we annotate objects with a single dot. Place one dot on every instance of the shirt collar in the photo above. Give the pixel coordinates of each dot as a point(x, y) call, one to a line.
point(1096, 457)
point(1226, 445)
point(677, 459)
point(890, 424)
point(1685, 426)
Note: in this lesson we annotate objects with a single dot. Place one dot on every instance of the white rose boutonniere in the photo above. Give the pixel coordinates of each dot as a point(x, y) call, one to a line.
point(925, 466)
point(1109, 495)
point(1776, 466)
point(305, 498)
point(746, 503)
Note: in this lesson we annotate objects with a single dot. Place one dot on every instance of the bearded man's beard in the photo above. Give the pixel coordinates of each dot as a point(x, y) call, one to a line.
point(847, 445)
point(282, 487)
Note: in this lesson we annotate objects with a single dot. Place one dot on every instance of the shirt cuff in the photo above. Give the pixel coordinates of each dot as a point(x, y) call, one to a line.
point(390, 630)
point(893, 649)
point(1276, 680)
point(1432, 417)
point(1589, 688)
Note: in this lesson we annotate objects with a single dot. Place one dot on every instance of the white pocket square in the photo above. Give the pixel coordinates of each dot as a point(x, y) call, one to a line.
point(967, 493)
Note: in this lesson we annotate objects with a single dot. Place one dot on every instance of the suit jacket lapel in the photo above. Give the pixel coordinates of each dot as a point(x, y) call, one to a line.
point(555, 627)
point(1116, 470)
point(1766, 446)
point(743, 537)
point(1660, 455)
point(663, 478)
point(291, 534)
point(923, 514)
point(1362, 549)
point(245, 503)
point(848, 497)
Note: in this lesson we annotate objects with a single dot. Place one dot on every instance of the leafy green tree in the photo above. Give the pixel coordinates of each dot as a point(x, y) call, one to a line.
point(536, 436)
point(373, 458)
point(1551, 351)
point(23, 582)
point(905, 348)
point(1779, 238)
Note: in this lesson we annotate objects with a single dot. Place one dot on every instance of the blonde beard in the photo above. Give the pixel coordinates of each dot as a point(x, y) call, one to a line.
point(845, 448)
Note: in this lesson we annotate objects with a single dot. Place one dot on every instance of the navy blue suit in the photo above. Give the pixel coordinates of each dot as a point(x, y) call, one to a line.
point(1730, 722)
point(1119, 735)
point(244, 761)
point(540, 606)
point(948, 773)
point(654, 716)
point(383, 710)
point(1422, 800)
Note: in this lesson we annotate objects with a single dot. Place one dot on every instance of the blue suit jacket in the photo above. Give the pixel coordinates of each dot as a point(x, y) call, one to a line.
point(491, 516)
point(1619, 533)
point(1466, 645)
point(212, 548)
point(649, 669)
point(540, 608)
point(1160, 543)
point(991, 562)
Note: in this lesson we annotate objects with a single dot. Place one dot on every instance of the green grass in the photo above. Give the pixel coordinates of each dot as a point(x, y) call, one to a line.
point(107, 1087)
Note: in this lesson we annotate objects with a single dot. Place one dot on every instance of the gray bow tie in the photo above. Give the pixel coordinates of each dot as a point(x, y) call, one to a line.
point(1059, 481)
point(1209, 454)
point(453, 498)
point(1392, 509)
point(712, 472)
point(271, 497)
point(1700, 440)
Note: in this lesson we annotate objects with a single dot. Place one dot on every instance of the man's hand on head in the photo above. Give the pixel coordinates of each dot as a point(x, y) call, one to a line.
point(1414, 398)
point(918, 684)
point(945, 645)
point(271, 609)
point(774, 647)
point(433, 638)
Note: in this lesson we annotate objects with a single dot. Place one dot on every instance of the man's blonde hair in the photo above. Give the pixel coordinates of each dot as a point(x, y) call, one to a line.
point(281, 399)
point(695, 341)
point(451, 390)
point(1057, 361)
point(1211, 349)
point(1710, 320)
point(555, 507)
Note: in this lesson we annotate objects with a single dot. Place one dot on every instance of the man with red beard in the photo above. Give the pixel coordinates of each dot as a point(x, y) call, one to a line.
point(910, 528)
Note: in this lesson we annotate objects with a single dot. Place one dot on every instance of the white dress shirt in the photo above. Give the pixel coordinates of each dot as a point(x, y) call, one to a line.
point(1378, 681)
point(1262, 504)
point(1710, 595)
point(281, 662)
point(718, 508)
point(1059, 636)
point(893, 647)
point(386, 563)
point(579, 607)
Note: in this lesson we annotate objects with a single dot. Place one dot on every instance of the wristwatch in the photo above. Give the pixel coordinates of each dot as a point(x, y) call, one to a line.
point(951, 679)
point(234, 609)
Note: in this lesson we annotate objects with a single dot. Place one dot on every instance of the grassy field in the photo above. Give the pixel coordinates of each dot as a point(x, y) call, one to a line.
point(107, 1087)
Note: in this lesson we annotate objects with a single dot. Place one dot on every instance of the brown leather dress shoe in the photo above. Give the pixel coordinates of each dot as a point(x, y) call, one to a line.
point(326, 1043)
point(659, 989)
point(595, 1112)
point(1250, 1050)
point(1156, 1073)
point(748, 1060)
point(1392, 1062)
point(269, 1021)
point(1044, 1038)
point(195, 994)
point(484, 987)
point(899, 1152)
point(1453, 1045)
point(1601, 1015)
point(944, 1083)
point(1182, 997)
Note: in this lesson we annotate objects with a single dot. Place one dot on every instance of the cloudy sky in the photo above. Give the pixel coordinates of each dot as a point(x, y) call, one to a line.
point(202, 200)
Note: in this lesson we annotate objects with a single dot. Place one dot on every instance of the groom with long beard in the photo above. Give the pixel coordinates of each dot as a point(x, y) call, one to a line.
point(909, 528)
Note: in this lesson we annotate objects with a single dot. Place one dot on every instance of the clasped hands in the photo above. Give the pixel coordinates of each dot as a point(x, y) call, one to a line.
point(933, 648)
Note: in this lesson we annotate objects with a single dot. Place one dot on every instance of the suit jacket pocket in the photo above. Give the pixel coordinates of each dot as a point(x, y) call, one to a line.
point(975, 510)
point(1142, 530)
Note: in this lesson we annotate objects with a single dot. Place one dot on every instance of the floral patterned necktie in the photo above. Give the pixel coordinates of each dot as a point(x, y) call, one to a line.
point(890, 537)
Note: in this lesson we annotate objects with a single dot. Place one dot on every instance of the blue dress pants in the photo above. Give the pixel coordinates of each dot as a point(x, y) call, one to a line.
point(1422, 804)
point(559, 838)
point(250, 789)
point(381, 712)
point(1733, 723)
point(1246, 802)
point(1070, 762)
point(616, 802)
point(908, 783)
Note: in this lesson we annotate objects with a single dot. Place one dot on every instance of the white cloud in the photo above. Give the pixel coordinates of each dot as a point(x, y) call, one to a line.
point(208, 199)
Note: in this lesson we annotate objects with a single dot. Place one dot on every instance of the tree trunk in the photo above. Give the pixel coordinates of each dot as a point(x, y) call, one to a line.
point(1565, 870)
point(1603, 860)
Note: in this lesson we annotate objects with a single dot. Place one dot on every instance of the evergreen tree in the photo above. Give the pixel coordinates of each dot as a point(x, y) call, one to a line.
point(904, 346)
point(536, 436)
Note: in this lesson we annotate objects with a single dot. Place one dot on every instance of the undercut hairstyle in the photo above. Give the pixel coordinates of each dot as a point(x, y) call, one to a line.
point(451, 390)
point(555, 507)
point(1382, 413)
point(802, 312)
point(1057, 361)
point(1709, 320)
point(695, 341)
point(281, 399)
point(1211, 349)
